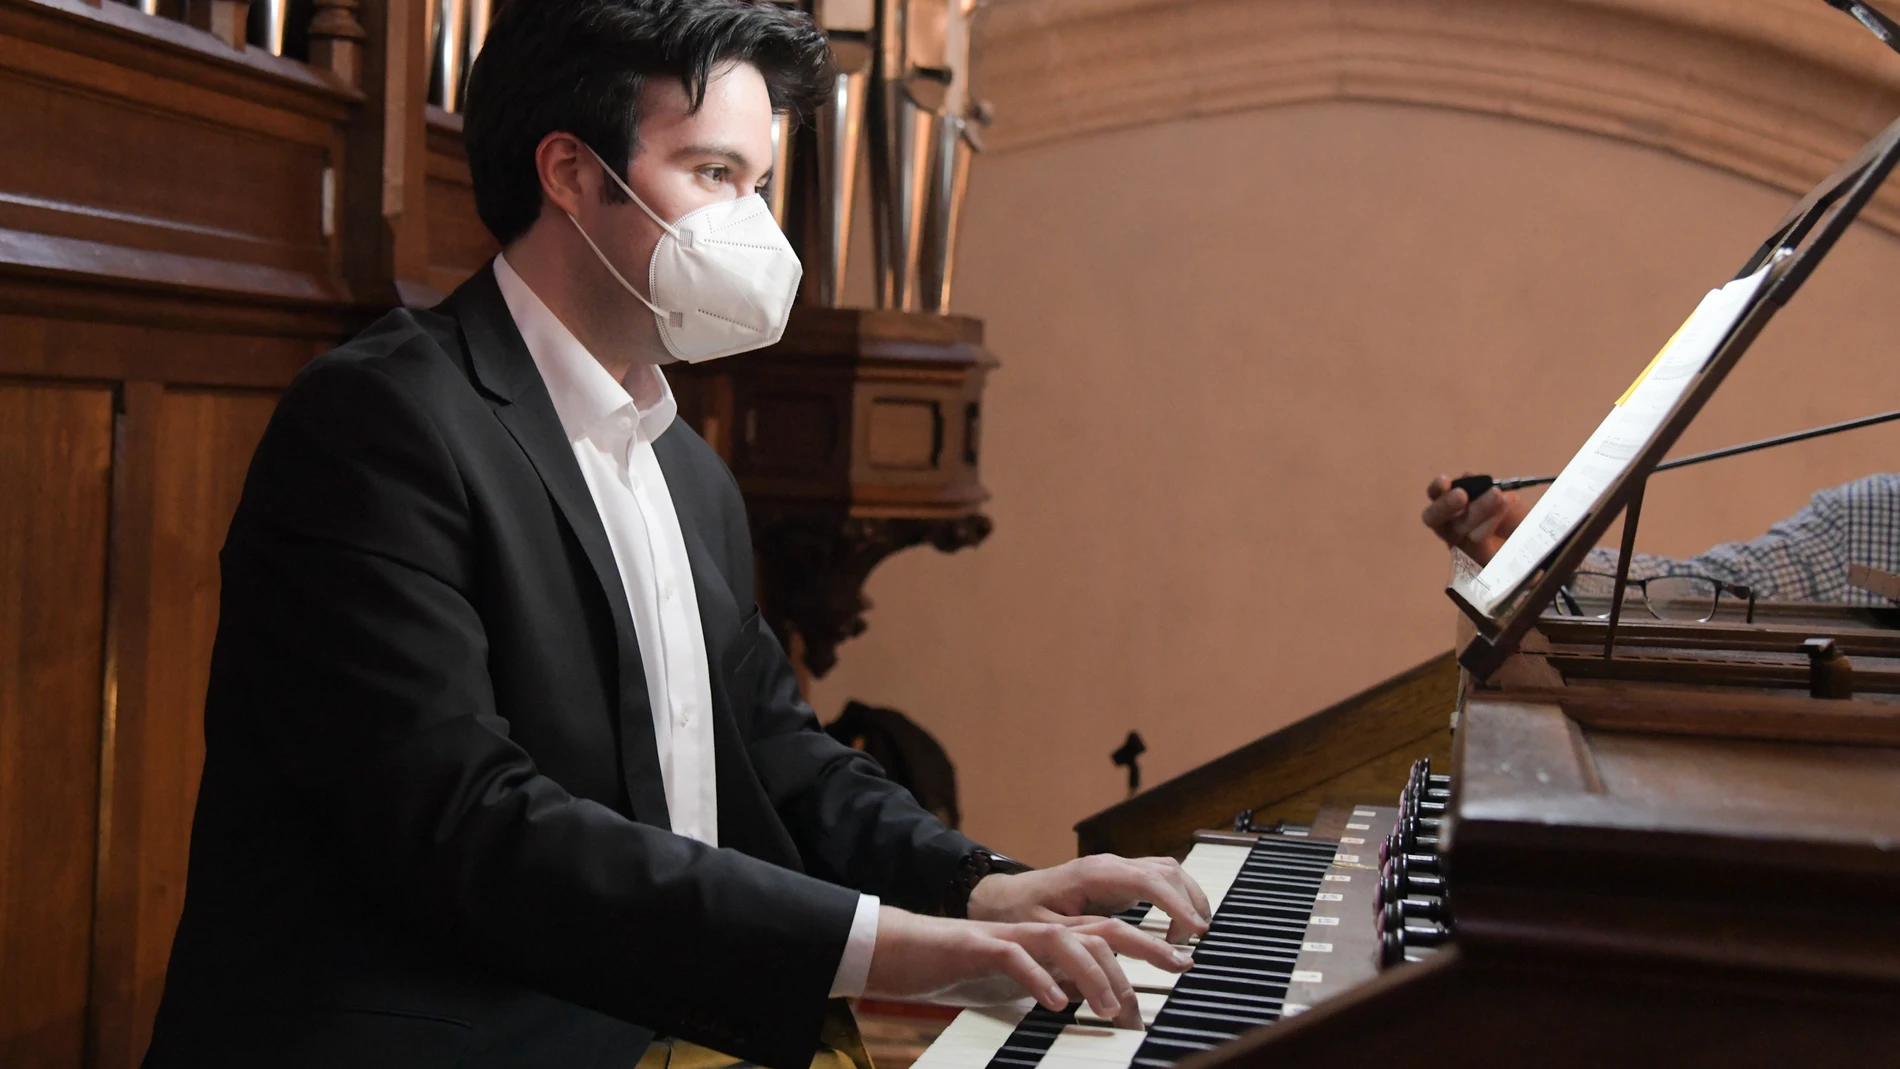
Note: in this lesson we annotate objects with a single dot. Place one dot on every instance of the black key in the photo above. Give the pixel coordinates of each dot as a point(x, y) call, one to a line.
point(1032, 1038)
point(1136, 913)
point(1244, 964)
point(1204, 996)
point(1234, 1023)
point(1192, 1035)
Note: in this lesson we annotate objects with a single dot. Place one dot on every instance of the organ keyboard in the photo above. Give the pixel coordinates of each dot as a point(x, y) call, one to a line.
point(1294, 921)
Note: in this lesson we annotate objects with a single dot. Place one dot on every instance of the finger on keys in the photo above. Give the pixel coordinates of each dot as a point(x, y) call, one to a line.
point(1124, 991)
point(1175, 874)
point(1172, 897)
point(1132, 941)
point(1021, 966)
point(1071, 952)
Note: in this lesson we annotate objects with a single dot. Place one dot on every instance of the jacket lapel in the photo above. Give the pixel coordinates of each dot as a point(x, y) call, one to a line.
point(501, 364)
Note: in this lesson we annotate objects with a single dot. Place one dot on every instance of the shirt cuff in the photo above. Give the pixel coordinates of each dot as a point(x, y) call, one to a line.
point(854, 969)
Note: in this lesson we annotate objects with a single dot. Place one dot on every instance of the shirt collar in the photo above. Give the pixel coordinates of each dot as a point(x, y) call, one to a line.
point(583, 392)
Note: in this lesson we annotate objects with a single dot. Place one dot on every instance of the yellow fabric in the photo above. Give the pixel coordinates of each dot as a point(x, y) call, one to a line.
point(841, 1046)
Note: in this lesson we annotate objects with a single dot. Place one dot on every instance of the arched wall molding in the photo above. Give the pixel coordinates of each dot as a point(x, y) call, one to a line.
point(1780, 91)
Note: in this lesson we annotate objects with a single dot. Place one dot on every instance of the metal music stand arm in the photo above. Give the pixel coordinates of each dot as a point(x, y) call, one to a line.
point(1631, 512)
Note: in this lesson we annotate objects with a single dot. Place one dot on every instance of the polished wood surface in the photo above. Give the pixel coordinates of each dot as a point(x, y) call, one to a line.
point(1623, 897)
point(1649, 874)
point(55, 483)
point(160, 158)
point(199, 449)
point(1358, 750)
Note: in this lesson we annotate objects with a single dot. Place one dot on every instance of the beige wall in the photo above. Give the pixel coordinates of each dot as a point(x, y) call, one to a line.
point(1234, 349)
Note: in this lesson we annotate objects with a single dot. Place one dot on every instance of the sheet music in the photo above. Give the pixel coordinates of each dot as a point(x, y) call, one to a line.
point(1615, 444)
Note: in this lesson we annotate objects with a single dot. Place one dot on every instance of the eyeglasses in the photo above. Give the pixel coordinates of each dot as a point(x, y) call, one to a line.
point(1679, 598)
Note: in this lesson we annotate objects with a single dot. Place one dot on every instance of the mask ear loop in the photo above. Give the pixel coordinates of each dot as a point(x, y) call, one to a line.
point(673, 318)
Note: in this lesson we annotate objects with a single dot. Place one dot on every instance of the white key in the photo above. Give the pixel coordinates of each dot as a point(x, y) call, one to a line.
point(1150, 1003)
point(1145, 977)
point(1082, 1046)
point(974, 1037)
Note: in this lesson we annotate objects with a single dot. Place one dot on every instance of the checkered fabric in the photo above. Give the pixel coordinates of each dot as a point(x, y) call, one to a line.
point(1804, 557)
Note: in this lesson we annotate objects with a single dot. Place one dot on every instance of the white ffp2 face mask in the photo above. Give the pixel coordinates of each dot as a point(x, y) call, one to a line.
point(722, 277)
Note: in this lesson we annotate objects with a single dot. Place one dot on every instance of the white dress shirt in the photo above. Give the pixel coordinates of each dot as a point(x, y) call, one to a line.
point(612, 428)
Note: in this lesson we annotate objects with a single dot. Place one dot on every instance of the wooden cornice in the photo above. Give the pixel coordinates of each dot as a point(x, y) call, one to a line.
point(1779, 91)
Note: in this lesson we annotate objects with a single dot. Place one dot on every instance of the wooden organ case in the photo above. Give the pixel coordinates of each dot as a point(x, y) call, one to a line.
point(191, 208)
point(1684, 854)
point(1677, 857)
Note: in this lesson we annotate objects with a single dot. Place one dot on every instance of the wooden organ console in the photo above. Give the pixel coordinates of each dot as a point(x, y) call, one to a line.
point(1688, 854)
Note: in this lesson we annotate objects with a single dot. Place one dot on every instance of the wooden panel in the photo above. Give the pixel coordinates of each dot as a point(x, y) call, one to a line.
point(171, 174)
point(256, 351)
point(200, 446)
point(904, 433)
point(1377, 781)
point(55, 500)
point(1453, 1012)
point(117, 52)
point(1355, 751)
point(458, 242)
point(202, 187)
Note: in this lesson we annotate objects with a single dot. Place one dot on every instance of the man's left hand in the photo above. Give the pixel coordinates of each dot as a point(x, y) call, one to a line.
point(1095, 886)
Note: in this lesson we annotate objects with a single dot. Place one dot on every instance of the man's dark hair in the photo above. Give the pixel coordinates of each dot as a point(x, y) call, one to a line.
point(579, 66)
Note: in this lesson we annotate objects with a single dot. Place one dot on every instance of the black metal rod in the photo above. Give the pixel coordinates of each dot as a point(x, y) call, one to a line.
point(1631, 512)
point(1731, 451)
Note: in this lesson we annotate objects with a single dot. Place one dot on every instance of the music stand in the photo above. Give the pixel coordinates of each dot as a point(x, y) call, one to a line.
point(1799, 243)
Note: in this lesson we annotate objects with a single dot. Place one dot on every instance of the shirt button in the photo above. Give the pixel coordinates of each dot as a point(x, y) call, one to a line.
point(668, 594)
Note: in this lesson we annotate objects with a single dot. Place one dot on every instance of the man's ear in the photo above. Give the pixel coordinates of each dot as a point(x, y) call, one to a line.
point(567, 171)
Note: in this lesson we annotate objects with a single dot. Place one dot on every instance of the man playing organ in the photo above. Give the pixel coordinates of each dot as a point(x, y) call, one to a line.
point(502, 766)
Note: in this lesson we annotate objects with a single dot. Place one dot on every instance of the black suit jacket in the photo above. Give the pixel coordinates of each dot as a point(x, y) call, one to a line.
point(431, 829)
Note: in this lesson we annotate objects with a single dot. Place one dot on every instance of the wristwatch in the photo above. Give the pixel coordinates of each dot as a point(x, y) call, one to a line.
point(975, 865)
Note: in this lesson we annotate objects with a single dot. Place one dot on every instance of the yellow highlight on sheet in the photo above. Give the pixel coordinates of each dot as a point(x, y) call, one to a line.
point(1657, 359)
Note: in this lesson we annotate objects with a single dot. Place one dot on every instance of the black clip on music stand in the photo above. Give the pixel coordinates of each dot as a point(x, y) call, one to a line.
point(1798, 244)
point(1871, 17)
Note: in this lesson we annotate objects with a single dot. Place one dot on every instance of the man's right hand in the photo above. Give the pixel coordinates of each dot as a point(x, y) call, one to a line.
point(1477, 527)
point(977, 963)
